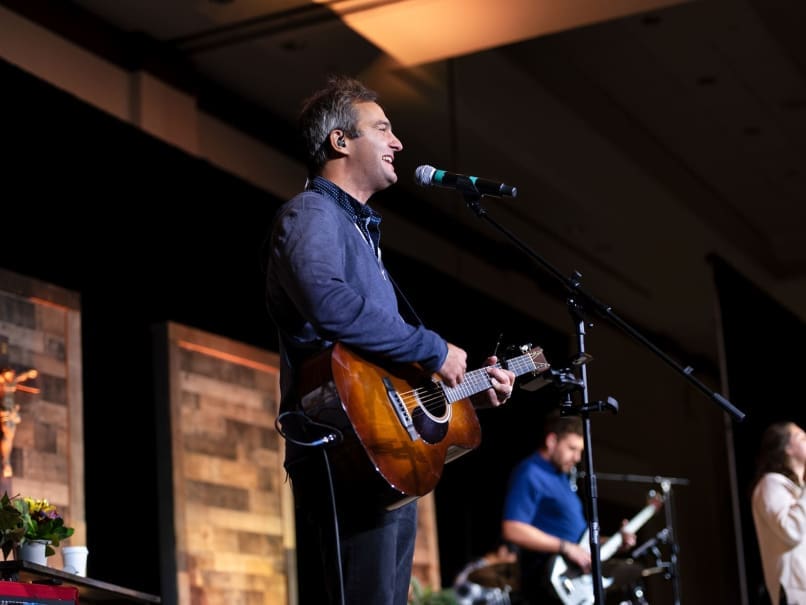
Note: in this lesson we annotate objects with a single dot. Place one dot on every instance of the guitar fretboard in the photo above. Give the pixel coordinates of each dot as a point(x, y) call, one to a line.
point(614, 543)
point(477, 381)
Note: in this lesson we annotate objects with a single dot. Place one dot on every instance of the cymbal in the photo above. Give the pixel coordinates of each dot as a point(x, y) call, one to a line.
point(495, 575)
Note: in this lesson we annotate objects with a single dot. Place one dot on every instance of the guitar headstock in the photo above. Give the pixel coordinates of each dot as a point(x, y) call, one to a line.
point(538, 358)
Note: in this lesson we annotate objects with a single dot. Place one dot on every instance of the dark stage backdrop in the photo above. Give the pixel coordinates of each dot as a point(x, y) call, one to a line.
point(764, 362)
point(147, 234)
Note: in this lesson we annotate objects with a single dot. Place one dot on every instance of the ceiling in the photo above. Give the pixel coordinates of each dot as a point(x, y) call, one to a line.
point(640, 141)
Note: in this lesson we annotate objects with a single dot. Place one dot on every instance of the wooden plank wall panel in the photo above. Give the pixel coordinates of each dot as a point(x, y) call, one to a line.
point(426, 549)
point(42, 324)
point(232, 520)
point(232, 507)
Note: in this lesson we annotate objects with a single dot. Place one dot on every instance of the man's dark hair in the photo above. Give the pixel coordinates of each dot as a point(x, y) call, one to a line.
point(562, 425)
point(328, 109)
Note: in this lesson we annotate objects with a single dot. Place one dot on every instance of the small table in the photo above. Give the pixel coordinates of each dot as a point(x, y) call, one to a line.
point(89, 590)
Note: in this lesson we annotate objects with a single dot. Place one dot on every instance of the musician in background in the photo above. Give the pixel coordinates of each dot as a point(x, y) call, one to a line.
point(779, 512)
point(327, 283)
point(543, 515)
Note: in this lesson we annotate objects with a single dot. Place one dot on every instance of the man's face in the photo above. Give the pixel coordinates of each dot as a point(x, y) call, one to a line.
point(373, 151)
point(564, 452)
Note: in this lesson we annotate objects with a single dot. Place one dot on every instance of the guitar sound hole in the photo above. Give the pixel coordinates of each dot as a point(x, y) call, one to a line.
point(431, 416)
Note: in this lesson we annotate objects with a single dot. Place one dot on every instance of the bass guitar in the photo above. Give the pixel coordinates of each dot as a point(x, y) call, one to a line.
point(398, 424)
point(572, 586)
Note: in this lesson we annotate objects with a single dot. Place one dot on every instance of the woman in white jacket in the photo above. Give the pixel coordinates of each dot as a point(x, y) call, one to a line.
point(779, 512)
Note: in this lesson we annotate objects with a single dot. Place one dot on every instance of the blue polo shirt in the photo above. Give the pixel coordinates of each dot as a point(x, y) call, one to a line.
point(541, 495)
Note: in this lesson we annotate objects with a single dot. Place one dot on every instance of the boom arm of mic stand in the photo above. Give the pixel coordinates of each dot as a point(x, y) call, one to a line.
point(606, 311)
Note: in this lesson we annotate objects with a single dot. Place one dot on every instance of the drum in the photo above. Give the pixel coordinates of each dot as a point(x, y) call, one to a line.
point(489, 580)
point(470, 593)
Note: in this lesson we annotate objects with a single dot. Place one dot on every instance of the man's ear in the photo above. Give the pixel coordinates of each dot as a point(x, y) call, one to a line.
point(551, 441)
point(337, 140)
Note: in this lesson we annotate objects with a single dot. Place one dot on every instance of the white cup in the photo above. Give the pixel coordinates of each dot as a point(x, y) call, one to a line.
point(75, 559)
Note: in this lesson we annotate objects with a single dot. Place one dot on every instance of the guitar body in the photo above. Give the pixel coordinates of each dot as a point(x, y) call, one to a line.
point(572, 586)
point(400, 424)
point(444, 430)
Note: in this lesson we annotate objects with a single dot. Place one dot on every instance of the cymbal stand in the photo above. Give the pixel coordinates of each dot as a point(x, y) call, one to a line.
point(667, 534)
point(672, 572)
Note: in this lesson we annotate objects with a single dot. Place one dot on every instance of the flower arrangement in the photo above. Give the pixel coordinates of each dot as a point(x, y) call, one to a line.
point(24, 519)
point(42, 521)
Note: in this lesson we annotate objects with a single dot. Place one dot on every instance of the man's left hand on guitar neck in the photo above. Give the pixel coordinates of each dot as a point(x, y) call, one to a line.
point(502, 381)
point(627, 538)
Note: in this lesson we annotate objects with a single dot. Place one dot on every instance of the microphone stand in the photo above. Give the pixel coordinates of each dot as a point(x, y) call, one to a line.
point(579, 303)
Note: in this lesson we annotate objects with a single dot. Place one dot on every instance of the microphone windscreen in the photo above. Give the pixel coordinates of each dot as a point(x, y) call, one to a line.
point(424, 174)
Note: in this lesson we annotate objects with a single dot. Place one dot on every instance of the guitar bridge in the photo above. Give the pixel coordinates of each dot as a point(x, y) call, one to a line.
point(400, 409)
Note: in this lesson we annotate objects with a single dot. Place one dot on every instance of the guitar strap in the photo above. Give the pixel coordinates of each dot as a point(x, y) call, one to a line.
point(406, 309)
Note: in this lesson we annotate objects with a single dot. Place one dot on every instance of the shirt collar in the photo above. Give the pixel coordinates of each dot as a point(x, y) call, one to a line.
point(365, 218)
point(352, 206)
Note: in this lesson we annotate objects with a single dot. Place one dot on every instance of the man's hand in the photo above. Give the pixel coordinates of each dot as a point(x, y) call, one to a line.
point(577, 555)
point(627, 538)
point(503, 382)
point(453, 369)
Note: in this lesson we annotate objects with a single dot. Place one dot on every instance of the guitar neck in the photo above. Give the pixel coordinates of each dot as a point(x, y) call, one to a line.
point(477, 381)
point(610, 547)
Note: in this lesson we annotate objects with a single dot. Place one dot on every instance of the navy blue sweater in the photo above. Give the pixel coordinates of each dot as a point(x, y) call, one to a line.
point(326, 284)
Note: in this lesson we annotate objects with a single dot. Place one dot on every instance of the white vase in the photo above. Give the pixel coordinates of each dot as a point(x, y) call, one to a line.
point(34, 551)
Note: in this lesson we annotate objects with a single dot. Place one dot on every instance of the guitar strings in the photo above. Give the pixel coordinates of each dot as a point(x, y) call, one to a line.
point(434, 397)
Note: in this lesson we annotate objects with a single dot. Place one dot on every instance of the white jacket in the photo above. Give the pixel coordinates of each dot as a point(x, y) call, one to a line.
point(779, 515)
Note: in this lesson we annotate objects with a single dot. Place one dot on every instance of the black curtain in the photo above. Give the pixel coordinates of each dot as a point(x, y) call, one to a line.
point(764, 361)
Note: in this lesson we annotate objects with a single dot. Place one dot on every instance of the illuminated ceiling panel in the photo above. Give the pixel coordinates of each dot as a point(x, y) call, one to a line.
point(421, 31)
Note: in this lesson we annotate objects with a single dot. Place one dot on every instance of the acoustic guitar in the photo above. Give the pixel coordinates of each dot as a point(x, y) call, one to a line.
point(398, 424)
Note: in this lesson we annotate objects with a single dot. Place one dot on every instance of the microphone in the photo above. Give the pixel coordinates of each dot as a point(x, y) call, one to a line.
point(428, 176)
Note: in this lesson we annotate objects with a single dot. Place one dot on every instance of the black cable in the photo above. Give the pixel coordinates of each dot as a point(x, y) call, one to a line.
point(335, 526)
point(332, 434)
